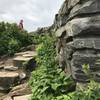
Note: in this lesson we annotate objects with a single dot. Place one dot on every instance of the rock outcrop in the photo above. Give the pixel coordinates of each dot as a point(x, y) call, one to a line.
point(77, 27)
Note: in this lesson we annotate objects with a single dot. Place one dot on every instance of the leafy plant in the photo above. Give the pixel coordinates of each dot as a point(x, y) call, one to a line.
point(48, 81)
point(13, 46)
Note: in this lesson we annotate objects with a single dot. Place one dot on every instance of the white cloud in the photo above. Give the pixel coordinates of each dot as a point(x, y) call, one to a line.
point(35, 13)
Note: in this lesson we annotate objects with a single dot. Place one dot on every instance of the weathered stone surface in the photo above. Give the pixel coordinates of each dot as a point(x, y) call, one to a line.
point(78, 23)
point(1, 67)
point(25, 97)
point(8, 79)
point(73, 8)
point(79, 60)
point(60, 31)
point(87, 26)
point(10, 68)
point(81, 86)
point(20, 90)
point(62, 16)
point(11, 75)
point(7, 98)
point(23, 57)
point(79, 77)
point(72, 3)
point(64, 8)
point(67, 5)
point(89, 7)
point(22, 76)
point(19, 61)
point(43, 30)
point(90, 43)
point(2, 94)
point(27, 54)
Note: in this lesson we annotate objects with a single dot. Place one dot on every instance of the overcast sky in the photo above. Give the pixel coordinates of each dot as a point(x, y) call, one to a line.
point(35, 13)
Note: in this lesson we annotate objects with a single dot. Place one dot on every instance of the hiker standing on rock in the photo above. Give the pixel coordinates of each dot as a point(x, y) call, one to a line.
point(21, 24)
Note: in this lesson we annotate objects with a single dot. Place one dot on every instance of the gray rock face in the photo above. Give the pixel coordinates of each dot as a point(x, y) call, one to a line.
point(7, 80)
point(77, 27)
point(89, 7)
point(76, 8)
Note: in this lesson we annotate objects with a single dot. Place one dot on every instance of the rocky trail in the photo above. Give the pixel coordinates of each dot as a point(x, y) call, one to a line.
point(14, 75)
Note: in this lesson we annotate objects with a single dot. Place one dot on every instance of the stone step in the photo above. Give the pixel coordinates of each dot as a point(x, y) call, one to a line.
point(8, 79)
point(7, 98)
point(25, 97)
point(23, 57)
point(19, 61)
point(1, 65)
point(2, 94)
point(31, 53)
point(20, 90)
point(10, 68)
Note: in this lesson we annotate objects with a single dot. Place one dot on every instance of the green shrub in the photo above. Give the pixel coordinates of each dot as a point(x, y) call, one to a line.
point(12, 38)
point(48, 81)
point(35, 37)
point(13, 46)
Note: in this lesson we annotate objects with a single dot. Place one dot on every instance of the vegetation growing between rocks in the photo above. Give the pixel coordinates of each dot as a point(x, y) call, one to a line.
point(91, 91)
point(12, 39)
point(48, 81)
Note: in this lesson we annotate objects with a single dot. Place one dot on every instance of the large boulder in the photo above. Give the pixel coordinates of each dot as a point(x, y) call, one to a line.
point(77, 26)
